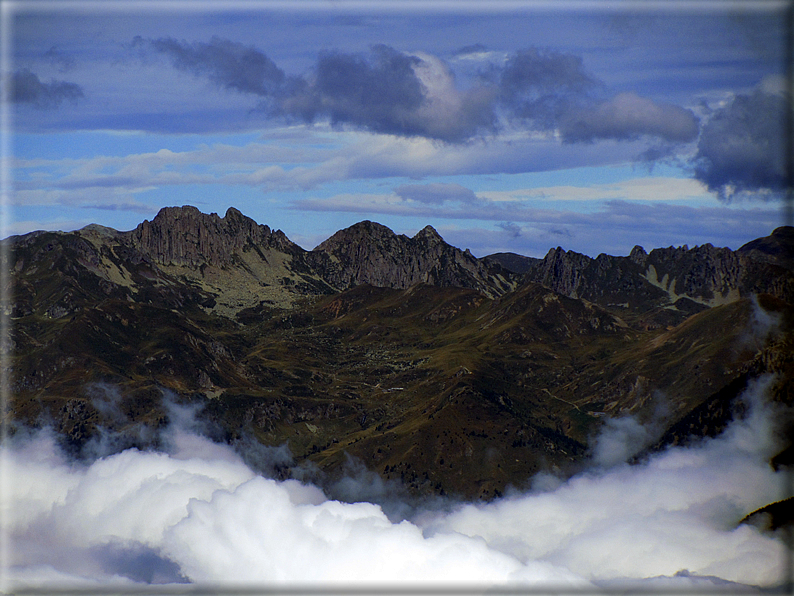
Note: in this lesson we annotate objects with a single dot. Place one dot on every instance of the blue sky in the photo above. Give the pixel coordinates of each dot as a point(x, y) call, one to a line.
point(512, 126)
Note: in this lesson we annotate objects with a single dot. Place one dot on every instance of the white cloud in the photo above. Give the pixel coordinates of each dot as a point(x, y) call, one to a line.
point(619, 440)
point(416, 199)
point(198, 513)
point(272, 536)
point(678, 511)
point(287, 162)
point(649, 188)
point(202, 509)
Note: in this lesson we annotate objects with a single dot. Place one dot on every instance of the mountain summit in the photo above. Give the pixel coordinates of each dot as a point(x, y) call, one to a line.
point(370, 253)
point(185, 236)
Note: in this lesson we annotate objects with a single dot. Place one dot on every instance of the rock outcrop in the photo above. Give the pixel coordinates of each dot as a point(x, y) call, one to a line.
point(185, 236)
point(675, 278)
point(777, 248)
point(370, 253)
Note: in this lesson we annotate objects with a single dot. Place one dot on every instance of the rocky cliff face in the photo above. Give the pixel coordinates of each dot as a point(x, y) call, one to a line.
point(369, 253)
point(365, 253)
point(777, 248)
point(678, 279)
point(185, 236)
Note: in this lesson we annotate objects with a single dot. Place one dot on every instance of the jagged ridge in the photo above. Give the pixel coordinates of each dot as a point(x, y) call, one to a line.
point(370, 253)
point(186, 236)
point(240, 264)
point(680, 280)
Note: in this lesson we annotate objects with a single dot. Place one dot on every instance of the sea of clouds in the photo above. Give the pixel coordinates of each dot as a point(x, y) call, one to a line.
point(193, 511)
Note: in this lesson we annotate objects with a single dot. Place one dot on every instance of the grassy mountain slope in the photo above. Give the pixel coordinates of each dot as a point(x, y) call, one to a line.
point(446, 389)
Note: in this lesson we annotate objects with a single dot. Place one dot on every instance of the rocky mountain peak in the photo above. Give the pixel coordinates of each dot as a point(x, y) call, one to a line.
point(186, 236)
point(428, 234)
point(364, 232)
point(370, 253)
point(232, 213)
point(561, 271)
point(777, 248)
point(677, 281)
point(638, 255)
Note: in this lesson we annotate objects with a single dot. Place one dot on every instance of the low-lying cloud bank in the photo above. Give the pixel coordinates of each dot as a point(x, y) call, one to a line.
point(196, 512)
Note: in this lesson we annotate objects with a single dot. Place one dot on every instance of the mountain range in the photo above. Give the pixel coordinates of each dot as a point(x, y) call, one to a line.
point(445, 372)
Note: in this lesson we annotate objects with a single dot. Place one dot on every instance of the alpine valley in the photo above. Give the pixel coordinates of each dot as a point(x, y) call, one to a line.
point(450, 374)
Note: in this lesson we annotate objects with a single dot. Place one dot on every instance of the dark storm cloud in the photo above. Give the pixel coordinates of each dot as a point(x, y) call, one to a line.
point(542, 86)
point(742, 146)
point(628, 116)
point(416, 95)
point(534, 70)
point(382, 94)
point(553, 90)
point(27, 88)
point(229, 64)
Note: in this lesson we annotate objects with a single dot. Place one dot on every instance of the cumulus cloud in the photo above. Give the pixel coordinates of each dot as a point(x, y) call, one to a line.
point(198, 513)
point(416, 94)
point(27, 88)
point(59, 516)
point(266, 525)
point(390, 92)
point(385, 91)
point(742, 147)
point(628, 116)
point(553, 90)
point(195, 512)
point(676, 512)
